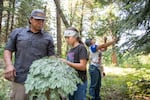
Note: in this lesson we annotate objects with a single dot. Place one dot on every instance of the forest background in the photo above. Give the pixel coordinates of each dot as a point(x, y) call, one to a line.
point(126, 63)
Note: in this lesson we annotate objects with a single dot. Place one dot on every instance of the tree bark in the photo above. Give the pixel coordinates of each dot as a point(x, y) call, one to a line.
point(113, 54)
point(1, 14)
point(59, 42)
point(13, 13)
point(61, 14)
point(45, 26)
point(8, 22)
point(81, 24)
point(73, 13)
point(47, 94)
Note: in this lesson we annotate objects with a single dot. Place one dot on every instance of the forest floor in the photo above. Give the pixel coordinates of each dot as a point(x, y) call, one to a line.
point(114, 84)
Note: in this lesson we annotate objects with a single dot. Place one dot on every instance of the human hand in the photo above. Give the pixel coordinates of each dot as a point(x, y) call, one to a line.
point(10, 73)
point(63, 60)
point(103, 49)
point(105, 39)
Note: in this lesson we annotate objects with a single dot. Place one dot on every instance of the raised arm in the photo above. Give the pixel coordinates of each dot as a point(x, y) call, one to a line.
point(105, 45)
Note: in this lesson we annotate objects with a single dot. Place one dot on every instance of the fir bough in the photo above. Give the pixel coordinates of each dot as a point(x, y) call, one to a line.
point(51, 77)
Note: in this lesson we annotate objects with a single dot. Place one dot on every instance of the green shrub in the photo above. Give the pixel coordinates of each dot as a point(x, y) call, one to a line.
point(139, 84)
point(114, 88)
point(4, 87)
point(1, 51)
point(123, 59)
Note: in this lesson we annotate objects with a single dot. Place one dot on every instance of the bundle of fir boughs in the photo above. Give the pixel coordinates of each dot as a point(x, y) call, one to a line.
point(50, 78)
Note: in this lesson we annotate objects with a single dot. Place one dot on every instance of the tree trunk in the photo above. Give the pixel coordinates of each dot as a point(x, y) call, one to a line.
point(81, 24)
point(47, 94)
point(1, 14)
point(7, 23)
point(61, 14)
point(59, 42)
point(72, 13)
point(114, 56)
point(13, 13)
point(45, 26)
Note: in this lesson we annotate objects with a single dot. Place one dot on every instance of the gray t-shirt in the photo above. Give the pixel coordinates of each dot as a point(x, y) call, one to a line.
point(28, 46)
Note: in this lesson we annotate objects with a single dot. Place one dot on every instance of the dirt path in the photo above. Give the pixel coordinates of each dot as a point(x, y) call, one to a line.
point(118, 70)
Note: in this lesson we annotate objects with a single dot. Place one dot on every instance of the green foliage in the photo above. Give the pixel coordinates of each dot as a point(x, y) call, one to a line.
point(114, 88)
point(137, 18)
point(126, 59)
point(1, 51)
point(107, 57)
point(4, 87)
point(133, 15)
point(103, 2)
point(142, 43)
point(2, 46)
point(139, 84)
point(138, 12)
point(54, 75)
point(24, 10)
point(129, 60)
point(126, 84)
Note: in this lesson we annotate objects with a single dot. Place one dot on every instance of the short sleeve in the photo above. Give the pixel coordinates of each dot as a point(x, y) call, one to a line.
point(93, 48)
point(11, 42)
point(83, 52)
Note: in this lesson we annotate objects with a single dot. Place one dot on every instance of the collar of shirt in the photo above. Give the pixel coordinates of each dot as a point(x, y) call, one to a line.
point(40, 32)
